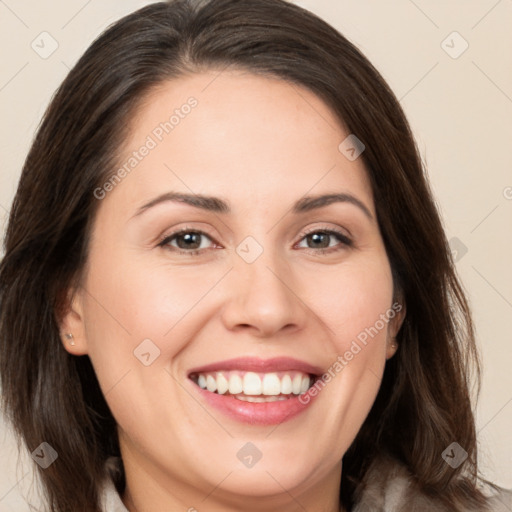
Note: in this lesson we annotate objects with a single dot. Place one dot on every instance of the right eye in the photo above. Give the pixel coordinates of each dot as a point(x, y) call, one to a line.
point(185, 241)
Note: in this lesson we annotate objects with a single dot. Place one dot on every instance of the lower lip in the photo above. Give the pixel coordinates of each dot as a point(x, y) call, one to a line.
point(257, 413)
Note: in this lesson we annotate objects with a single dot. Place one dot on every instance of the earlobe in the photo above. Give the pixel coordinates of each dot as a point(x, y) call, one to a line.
point(391, 348)
point(71, 325)
point(70, 338)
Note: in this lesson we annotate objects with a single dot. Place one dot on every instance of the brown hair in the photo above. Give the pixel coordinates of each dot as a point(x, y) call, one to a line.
point(424, 402)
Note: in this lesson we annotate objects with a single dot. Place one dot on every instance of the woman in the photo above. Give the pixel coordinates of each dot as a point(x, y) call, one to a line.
point(226, 284)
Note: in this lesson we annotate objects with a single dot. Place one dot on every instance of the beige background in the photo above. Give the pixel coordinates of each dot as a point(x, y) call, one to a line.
point(460, 110)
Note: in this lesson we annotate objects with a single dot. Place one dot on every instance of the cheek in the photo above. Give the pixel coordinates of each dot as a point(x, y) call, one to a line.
point(135, 317)
point(130, 303)
point(353, 301)
point(350, 305)
point(141, 300)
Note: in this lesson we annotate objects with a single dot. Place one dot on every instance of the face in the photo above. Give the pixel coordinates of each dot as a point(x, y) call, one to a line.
point(219, 288)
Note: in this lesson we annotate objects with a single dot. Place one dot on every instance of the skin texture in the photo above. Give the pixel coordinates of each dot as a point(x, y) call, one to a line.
point(260, 144)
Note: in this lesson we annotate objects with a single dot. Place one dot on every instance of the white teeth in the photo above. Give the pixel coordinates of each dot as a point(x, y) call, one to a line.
point(260, 398)
point(305, 384)
point(235, 384)
point(211, 383)
point(271, 384)
point(286, 385)
point(222, 384)
point(297, 384)
point(254, 384)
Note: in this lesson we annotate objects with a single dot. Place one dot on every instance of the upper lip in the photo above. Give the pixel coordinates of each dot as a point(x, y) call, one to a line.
point(253, 364)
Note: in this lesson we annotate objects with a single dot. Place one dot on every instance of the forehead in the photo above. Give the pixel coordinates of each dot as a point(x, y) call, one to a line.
point(238, 135)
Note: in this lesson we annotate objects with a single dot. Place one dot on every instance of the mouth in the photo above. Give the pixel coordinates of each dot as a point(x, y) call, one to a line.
point(256, 391)
point(255, 387)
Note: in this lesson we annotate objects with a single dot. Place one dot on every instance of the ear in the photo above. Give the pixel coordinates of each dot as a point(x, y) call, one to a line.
point(395, 325)
point(71, 323)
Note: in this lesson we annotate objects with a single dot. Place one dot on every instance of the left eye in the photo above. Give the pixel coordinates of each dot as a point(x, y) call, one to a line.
point(321, 239)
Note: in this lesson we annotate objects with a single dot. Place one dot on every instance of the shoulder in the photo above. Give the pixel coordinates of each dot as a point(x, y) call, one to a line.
point(388, 486)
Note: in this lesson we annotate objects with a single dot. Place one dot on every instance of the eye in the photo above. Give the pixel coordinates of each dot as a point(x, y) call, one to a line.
point(321, 240)
point(187, 241)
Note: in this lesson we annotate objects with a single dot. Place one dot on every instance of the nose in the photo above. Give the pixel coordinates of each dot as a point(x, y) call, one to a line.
point(264, 298)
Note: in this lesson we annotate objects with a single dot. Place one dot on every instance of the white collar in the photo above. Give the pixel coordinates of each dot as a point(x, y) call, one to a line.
point(110, 499)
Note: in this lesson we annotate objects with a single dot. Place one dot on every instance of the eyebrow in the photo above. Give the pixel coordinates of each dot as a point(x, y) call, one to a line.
point(218, 205)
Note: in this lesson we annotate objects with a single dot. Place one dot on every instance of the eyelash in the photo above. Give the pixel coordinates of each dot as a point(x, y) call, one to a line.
point(345, 241)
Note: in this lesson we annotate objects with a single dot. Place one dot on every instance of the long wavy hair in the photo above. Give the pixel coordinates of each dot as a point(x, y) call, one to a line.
point(54, 397)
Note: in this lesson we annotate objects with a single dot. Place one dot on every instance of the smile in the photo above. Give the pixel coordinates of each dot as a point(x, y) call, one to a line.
point(256, 391)
point(254, 387)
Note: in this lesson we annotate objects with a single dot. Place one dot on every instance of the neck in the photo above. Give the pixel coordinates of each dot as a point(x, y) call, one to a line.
point(289, 503)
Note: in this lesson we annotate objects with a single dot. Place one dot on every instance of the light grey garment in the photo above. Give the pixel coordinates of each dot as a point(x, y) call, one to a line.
point(111, 501)
point(389, 488)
